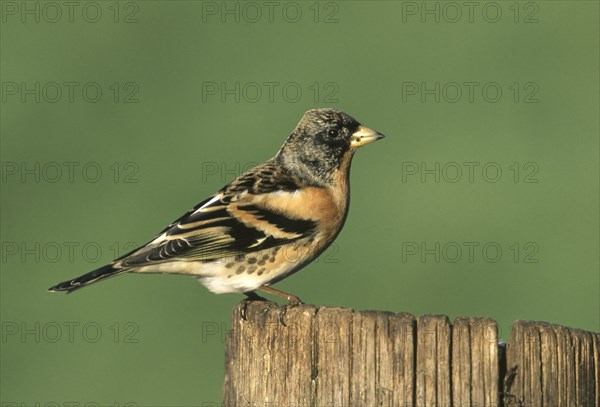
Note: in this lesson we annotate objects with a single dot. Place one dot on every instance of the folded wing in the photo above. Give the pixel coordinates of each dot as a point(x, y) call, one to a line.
point(233, 222)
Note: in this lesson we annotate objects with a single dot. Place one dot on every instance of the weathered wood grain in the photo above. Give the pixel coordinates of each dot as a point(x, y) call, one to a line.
point(332, 361)
point(555, 366)
point(305, 356)
point(433, 361)
point(475, 362)
point(271, 356)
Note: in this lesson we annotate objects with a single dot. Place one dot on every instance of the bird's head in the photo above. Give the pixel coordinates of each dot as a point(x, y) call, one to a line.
point(323, 143)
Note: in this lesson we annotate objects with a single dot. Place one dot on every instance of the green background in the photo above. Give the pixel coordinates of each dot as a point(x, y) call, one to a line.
point(162, 336)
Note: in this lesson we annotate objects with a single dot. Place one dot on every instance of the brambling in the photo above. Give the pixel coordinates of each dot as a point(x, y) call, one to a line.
point(266, 224)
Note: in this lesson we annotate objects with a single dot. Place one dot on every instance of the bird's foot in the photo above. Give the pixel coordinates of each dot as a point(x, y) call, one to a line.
point(291, 299)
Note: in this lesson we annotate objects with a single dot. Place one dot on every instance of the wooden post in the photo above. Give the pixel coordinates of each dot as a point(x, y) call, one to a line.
point(554, 366)
point(295, 356)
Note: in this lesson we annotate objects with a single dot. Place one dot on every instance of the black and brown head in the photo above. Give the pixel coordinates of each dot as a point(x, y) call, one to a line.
point(323, 143)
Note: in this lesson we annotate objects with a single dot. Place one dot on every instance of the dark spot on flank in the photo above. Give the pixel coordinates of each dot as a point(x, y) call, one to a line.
point(272, 259)
point(265, 256)
point(252, 269)
point(240, 270)
point(261, 271)
point(240, 257)
point(252, 260)
point(229, 265)
point(261, 263)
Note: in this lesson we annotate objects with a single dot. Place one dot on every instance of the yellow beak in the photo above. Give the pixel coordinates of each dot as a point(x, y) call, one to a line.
point(364, 135)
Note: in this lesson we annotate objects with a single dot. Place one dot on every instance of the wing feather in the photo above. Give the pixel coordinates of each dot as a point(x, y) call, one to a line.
point(227, 224)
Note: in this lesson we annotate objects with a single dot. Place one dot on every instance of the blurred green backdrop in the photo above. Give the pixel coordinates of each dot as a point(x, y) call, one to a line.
point(118, 116)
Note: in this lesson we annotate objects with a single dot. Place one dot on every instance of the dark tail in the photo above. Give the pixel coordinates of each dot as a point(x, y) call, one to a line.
point(86, 279)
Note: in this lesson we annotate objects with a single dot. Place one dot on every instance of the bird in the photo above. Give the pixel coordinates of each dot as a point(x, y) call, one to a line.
point(263, 226)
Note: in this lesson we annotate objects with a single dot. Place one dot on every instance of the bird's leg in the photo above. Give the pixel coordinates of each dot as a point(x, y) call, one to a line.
point(288, 297)
point(252, 296)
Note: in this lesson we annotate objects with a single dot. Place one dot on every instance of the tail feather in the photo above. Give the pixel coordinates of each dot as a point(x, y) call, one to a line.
point(87, 279)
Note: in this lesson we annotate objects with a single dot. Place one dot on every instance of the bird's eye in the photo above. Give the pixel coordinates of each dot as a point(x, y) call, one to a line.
point(332, 132)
